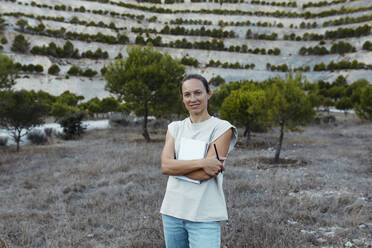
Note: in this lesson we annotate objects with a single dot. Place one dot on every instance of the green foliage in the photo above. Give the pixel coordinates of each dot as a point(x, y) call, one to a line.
point(20, 44)
point(67, 51)
point(30, 68)
point(353, 88)
point(89, 73)
point(246, 108)
point(220, 94)
point(367, 46)
point(290, 106)
point(341, 65)
point(3, 40)
point(20, 111)
point(54, 69)
point(74, 71)
point(72, 124)
point(92, 107)
point(342, 47)
point(147, 81)
point(8, 72)
point(109, 104)
point(77, 71)
point(217, 81)
point(363, 108)
point(65, 104)
point(189, 61)
point(344, 103)
point(22, 23)
point(2, 23)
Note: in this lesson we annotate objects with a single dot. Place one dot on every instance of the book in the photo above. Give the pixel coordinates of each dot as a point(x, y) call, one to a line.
point(191, 149)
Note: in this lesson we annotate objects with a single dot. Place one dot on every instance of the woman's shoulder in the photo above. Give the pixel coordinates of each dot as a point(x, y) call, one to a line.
point(175, 126)
point(219, 123)
point(177, 123)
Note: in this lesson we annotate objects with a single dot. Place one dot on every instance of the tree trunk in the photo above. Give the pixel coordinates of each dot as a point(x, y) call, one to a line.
point(247, 133)
point(145, 133)
point(279, 147)
point(18, 139)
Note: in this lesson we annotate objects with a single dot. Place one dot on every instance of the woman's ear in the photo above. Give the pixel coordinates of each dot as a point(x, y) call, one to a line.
point(209, 94)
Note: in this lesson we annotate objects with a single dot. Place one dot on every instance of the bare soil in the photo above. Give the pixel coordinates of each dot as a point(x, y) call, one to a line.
point(105, 190)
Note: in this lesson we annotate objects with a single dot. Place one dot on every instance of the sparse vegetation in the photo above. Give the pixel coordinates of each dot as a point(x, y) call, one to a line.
point(341, 65)
point(322, 3)
point(54, 69)
point(20, 44)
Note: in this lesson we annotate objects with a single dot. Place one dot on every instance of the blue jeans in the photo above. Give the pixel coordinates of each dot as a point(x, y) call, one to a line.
point(179, 233)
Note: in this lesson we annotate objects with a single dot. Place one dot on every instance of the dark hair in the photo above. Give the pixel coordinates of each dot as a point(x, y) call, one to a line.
point(195, 76)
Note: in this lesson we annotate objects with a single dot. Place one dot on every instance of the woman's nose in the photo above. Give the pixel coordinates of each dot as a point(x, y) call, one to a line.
point(192, 97)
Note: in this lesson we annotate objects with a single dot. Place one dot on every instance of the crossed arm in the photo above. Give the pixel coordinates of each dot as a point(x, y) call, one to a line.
point(198, 169)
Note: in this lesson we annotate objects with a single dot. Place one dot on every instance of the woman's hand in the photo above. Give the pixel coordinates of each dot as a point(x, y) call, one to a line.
point(212, 166)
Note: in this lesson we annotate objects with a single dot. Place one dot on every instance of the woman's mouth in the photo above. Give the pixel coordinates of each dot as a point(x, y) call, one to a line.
point(194, 106)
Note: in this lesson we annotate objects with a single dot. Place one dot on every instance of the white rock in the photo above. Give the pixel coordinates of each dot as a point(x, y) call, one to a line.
point(348, 244)
point(321, 240)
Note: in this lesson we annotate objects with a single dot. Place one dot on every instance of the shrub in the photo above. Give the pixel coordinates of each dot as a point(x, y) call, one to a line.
point(3, 141)
point(48, 131)
point(89, 73)
point(72, 125)
point(39, 68)
point(53, 69)
point(367, 46)
point(37, 137)
point(74, 70)
point(20, 44)
point(4, 40)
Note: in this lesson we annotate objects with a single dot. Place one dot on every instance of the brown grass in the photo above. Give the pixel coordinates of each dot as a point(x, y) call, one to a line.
point(105, 190)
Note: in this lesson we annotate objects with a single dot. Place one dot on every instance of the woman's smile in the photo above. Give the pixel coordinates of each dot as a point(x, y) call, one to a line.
point(194, 106)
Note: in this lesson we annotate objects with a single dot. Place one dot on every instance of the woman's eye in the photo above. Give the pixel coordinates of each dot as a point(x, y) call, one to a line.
point(198, 93)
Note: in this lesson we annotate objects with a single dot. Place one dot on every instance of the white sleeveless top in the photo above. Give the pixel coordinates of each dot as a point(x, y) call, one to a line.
point(197, 202)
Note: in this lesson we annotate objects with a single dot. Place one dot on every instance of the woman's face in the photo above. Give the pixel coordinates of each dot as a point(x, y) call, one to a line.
point(195, 96)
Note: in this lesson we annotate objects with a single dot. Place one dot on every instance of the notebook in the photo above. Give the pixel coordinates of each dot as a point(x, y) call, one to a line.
point(191, 149)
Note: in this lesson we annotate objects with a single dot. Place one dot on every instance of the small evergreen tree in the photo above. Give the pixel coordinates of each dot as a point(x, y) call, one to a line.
point(72, 124)
point(20, 111)
point(290, 106)
point(8, 72)
point(246, 108)
point(20, 44)
point(53, 69)
point(363, 108)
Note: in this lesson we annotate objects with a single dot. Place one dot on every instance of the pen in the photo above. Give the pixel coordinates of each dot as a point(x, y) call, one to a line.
point(218, 158)
point(215, 149)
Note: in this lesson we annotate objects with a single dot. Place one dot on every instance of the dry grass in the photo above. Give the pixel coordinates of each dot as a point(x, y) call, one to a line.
point(105, 190)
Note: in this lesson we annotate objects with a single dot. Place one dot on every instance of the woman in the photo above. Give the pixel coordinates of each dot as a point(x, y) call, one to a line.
point(192, 212)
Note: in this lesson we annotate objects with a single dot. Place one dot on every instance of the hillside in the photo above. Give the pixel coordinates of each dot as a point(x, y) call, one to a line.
point(295, 25)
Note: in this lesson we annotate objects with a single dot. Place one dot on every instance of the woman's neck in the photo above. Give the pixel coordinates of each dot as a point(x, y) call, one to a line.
point(200, 118)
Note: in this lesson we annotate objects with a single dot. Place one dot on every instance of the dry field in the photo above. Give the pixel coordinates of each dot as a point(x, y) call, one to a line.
point(105, 190)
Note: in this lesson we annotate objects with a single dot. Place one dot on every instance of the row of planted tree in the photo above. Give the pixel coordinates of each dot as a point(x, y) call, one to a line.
point(181, 21)
point(217, 33)
point(20, 44)
point(147, 83)
point(340, 47)
point(155, 9)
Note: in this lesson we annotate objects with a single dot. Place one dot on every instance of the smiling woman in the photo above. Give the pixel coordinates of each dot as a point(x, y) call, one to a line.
point(192, 212)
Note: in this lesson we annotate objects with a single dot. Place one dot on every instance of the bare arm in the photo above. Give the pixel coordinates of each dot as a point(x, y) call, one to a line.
point(173, 167)
point(222, 144)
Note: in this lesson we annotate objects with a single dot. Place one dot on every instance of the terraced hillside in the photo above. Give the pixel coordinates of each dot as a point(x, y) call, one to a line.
point(237, 40)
